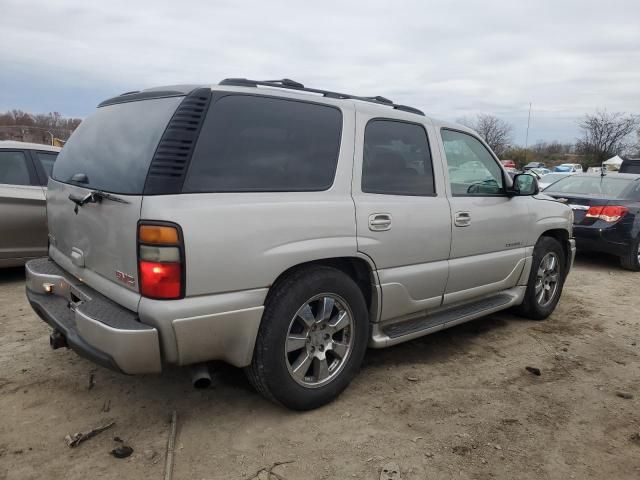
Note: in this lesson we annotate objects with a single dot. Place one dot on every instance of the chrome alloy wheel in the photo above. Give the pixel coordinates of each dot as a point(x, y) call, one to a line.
point(319, 340)
point(547, 279)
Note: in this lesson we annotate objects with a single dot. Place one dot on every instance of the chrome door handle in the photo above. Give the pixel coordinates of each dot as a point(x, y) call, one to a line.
point(462, 219)
point(379, 222)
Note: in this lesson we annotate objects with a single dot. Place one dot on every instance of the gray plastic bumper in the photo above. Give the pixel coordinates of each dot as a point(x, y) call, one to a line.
point(93, 326)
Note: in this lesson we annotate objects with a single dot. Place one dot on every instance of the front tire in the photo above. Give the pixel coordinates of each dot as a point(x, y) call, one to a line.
point(312, 338)
point(546, 280)
point(631, 261)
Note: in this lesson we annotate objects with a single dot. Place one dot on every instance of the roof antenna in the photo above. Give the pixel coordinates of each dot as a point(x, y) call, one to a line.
point(603, 169)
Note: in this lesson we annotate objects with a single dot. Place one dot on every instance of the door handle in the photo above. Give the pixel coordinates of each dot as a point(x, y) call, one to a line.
point(462, 219)
point(379, 222)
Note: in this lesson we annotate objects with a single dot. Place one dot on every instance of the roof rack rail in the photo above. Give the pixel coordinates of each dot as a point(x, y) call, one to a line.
point(293, 85)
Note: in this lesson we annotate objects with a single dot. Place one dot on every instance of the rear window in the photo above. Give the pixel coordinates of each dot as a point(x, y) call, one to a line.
point(114, 146)
point(552, 177)
point(607, 186)
point(261, 144)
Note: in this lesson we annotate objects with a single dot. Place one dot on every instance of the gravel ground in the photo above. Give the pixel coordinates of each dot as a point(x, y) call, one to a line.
point(456, 404)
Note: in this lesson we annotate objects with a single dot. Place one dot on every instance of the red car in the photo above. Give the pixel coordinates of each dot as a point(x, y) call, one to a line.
point(508, 163)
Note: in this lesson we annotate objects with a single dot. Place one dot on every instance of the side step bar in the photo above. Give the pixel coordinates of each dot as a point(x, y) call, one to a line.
point(398, 332)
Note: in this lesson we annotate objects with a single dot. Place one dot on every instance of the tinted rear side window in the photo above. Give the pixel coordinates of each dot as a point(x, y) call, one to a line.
point(397, 160)
point(252, 143)
point(114, 146)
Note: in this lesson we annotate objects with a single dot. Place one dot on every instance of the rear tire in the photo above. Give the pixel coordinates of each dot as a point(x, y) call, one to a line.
point(312, 338)
point(546, 280)
point(631, 261)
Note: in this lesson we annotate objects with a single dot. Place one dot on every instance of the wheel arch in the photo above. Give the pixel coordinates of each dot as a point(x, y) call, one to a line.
point(562, 236)
point(360, 269)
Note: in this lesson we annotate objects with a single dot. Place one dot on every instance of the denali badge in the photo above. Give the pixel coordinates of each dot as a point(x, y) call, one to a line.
point(126, 278)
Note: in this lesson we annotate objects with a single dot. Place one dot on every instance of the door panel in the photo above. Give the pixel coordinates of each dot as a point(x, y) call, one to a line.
point(23, 221)
point(489, 228)
point(408, 236)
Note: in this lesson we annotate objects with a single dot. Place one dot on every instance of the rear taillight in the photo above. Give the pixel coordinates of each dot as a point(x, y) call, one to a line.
point(608, 213)
point(160, 261)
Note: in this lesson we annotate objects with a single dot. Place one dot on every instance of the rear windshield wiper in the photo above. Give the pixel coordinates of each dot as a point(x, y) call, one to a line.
point(95, 196)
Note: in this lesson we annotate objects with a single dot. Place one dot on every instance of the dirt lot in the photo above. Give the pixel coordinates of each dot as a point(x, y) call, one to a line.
point(457, 404)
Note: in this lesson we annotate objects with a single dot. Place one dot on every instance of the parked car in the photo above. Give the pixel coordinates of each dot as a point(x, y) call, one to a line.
point(283, 230)
point(568, 168)
point(550, 178)
point(24, 170)
point(606, 211)
point(630, 165)
point(531, 165)
point(539, 172)
point(508, 164)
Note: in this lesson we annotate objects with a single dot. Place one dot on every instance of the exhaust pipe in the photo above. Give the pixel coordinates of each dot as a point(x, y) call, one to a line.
point(200, 377)
point(57, 340)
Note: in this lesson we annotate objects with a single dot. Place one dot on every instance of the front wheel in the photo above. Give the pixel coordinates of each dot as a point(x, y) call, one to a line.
point(312, 339)
point(546, 280)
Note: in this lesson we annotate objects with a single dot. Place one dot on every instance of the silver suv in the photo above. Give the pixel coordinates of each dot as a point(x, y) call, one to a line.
point(283, 229)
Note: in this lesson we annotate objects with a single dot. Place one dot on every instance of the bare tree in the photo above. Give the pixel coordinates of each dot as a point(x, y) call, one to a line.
point(39, 128)
point(496, 132)
point(605, 135)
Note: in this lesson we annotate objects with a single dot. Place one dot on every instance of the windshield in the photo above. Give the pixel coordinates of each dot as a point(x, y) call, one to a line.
point(608, 186)
point(114, 146)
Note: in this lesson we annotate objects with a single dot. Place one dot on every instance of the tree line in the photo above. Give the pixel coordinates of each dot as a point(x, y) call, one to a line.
point(602, 135)
point(45, 128)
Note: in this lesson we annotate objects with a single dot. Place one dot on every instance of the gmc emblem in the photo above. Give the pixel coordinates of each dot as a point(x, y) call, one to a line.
point(126, 278)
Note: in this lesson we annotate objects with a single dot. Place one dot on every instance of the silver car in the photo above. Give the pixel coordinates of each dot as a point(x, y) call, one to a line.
point(24, 170)
point(284, 230)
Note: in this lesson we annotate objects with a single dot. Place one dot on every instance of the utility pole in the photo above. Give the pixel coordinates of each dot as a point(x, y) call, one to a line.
point(526, 140)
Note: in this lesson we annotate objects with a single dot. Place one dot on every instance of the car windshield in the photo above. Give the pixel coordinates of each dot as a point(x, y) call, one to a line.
point(608, 186)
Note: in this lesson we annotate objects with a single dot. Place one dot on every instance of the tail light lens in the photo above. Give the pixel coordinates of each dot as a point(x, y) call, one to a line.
point(608, 213)
point(161, 261)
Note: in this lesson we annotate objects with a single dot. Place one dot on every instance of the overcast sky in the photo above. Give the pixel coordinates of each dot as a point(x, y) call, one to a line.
point(451, 59)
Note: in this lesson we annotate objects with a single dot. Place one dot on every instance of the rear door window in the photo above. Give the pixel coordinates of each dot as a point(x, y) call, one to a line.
point(47, 160)
point(114, 146)
point(397, 159)
point(261, 144)
point(14, 169)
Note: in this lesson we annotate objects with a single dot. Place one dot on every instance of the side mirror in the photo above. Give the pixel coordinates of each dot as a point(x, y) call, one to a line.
point(524, 185)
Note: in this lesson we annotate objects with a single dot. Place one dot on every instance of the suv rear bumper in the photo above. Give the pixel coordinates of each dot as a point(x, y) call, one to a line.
point(93, 326)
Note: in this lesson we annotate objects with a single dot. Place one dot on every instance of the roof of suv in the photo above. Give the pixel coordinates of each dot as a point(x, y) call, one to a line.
point(286, 88)
point(13, 145)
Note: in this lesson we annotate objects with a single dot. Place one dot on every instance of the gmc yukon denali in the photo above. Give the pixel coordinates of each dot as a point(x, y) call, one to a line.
point(284, 230)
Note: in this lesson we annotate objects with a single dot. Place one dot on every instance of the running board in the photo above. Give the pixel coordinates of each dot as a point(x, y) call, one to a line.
point(398, 332)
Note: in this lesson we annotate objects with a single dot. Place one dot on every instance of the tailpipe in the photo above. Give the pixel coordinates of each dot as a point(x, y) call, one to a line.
point(200, 377)
point(57, 340)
